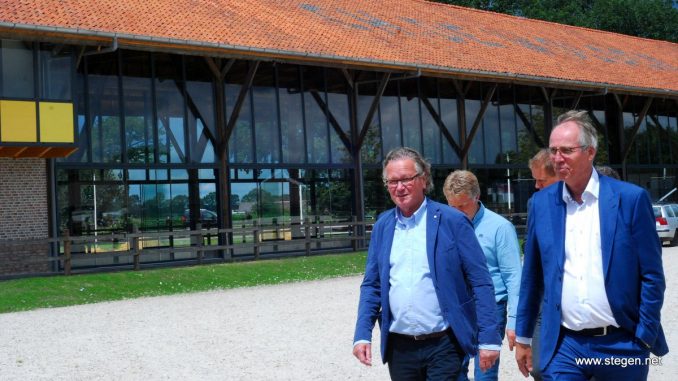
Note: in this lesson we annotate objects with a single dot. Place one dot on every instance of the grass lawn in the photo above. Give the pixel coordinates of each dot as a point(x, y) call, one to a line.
point(59, 291)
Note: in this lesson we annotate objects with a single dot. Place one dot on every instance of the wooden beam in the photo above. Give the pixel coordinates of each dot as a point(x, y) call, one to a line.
point(458, 87)
point(219, 73)
point(441, 124)
point(576, 100)
point(244, 90)
point(636, 127)
point(596, 123)
point(349, 78)
point(478, 120)
point(333, 121)
point(536, 138)
point(372, 110)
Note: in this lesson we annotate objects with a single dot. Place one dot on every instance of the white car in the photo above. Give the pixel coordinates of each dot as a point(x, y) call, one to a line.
point(666, 221)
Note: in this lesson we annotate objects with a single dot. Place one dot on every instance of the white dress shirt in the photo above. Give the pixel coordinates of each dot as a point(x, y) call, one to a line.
point(584, 300)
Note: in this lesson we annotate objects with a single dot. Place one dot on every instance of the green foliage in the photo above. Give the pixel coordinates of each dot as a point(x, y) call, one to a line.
point(60, 291)
point(656, 19)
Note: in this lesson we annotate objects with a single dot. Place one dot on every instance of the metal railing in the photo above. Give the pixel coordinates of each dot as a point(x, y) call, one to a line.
point(68, 254)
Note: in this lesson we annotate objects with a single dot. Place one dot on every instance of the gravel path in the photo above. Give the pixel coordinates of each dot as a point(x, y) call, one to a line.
point(300, 331)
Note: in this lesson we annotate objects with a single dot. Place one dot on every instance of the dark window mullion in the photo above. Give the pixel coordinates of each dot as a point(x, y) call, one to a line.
point(421, 118)
point(121, 101)
point(253, 124)
point(303, 111)
point(279, 117)
point(154, 112)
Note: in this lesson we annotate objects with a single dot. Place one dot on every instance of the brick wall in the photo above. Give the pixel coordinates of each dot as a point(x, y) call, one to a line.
point(24, 214)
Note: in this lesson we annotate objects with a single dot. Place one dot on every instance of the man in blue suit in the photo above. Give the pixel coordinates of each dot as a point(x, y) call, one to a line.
point(426, 281)
point(593, 256)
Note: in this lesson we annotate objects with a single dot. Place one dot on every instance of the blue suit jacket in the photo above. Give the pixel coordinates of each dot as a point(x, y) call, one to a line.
point(632, 264)
point(459, 272)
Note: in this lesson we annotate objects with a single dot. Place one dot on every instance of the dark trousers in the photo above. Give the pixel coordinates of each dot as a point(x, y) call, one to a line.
point(614, 357)
point(436, 359)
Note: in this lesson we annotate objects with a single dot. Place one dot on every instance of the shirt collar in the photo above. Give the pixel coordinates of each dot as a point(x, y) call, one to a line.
point(415, 218)
point(479, 213)
point(592, 189)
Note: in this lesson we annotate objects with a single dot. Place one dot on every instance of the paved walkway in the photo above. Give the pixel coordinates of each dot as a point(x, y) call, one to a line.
point(300, 331)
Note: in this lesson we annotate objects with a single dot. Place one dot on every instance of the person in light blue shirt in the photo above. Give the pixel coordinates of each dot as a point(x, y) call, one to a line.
point(426, 282)
point(499, 241)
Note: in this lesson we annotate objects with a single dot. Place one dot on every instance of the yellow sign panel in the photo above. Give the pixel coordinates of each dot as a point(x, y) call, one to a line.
point(56, 122)
point(18, 121)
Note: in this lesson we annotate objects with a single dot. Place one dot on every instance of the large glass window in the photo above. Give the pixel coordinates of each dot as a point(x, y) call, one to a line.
point(371, 150)
point(448, 113)
point(265, 108)
point(104, 108)
point(492, 135)
point(16, 65)
point(409, 113)
point(476, 154)
point(55, 72)
point(317, 127)
point(390, 118)
point(432, 138)
point(507, 123)
point(291, 115)
point(170, 109)
point(138, 107)
point(337, 102)
point(200, 105)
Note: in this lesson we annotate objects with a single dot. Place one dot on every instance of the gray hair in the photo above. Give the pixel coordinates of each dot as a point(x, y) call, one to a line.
point(422, 166)
point(460, 182)
point(588, 136)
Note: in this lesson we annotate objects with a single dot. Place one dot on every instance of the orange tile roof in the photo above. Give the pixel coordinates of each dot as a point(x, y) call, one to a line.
point(398, 34)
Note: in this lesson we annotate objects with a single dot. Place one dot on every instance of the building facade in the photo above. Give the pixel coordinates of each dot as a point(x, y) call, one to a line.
point(107, 126)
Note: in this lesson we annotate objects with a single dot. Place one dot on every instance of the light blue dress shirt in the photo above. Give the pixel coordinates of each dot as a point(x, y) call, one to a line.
point(499, 241)
point(412, 296)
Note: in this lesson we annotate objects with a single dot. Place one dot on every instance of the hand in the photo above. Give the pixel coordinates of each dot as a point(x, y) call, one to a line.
point(363, 352)
point(524, 358)
point(511, 336)
point(487, 358)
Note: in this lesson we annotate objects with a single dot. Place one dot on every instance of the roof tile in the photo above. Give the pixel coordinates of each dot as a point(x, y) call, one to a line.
point(403, 33)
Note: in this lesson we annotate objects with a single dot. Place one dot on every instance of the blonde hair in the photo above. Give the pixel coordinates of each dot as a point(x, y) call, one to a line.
point(461, 182)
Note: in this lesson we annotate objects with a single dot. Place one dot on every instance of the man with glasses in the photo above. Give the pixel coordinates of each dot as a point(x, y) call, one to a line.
point(593, 257)
point(426, 281)
point(499, 241)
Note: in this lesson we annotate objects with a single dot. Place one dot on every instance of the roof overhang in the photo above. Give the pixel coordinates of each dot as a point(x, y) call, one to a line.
point(161, 44)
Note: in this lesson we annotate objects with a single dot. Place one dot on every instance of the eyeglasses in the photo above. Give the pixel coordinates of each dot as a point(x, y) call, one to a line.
point(565, 151)
point(406, 182)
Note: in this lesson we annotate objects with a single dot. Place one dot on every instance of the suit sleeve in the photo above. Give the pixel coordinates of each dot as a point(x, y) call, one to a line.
point(369, 305)
point(532, 279)
point(648, 249)
point(508, 259)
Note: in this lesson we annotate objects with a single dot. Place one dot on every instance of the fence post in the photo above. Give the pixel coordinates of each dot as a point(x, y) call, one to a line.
point(307, 235)
point(136, 247)
point(67, 252)
point(255, 231)
point(277, 233)
point(200, 253)
point(354, 233)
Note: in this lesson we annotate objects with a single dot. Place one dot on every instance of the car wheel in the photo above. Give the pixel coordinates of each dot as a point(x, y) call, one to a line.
point(674, 240)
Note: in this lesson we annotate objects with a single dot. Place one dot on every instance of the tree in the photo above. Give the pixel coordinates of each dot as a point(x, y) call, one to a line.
point(657, 19)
